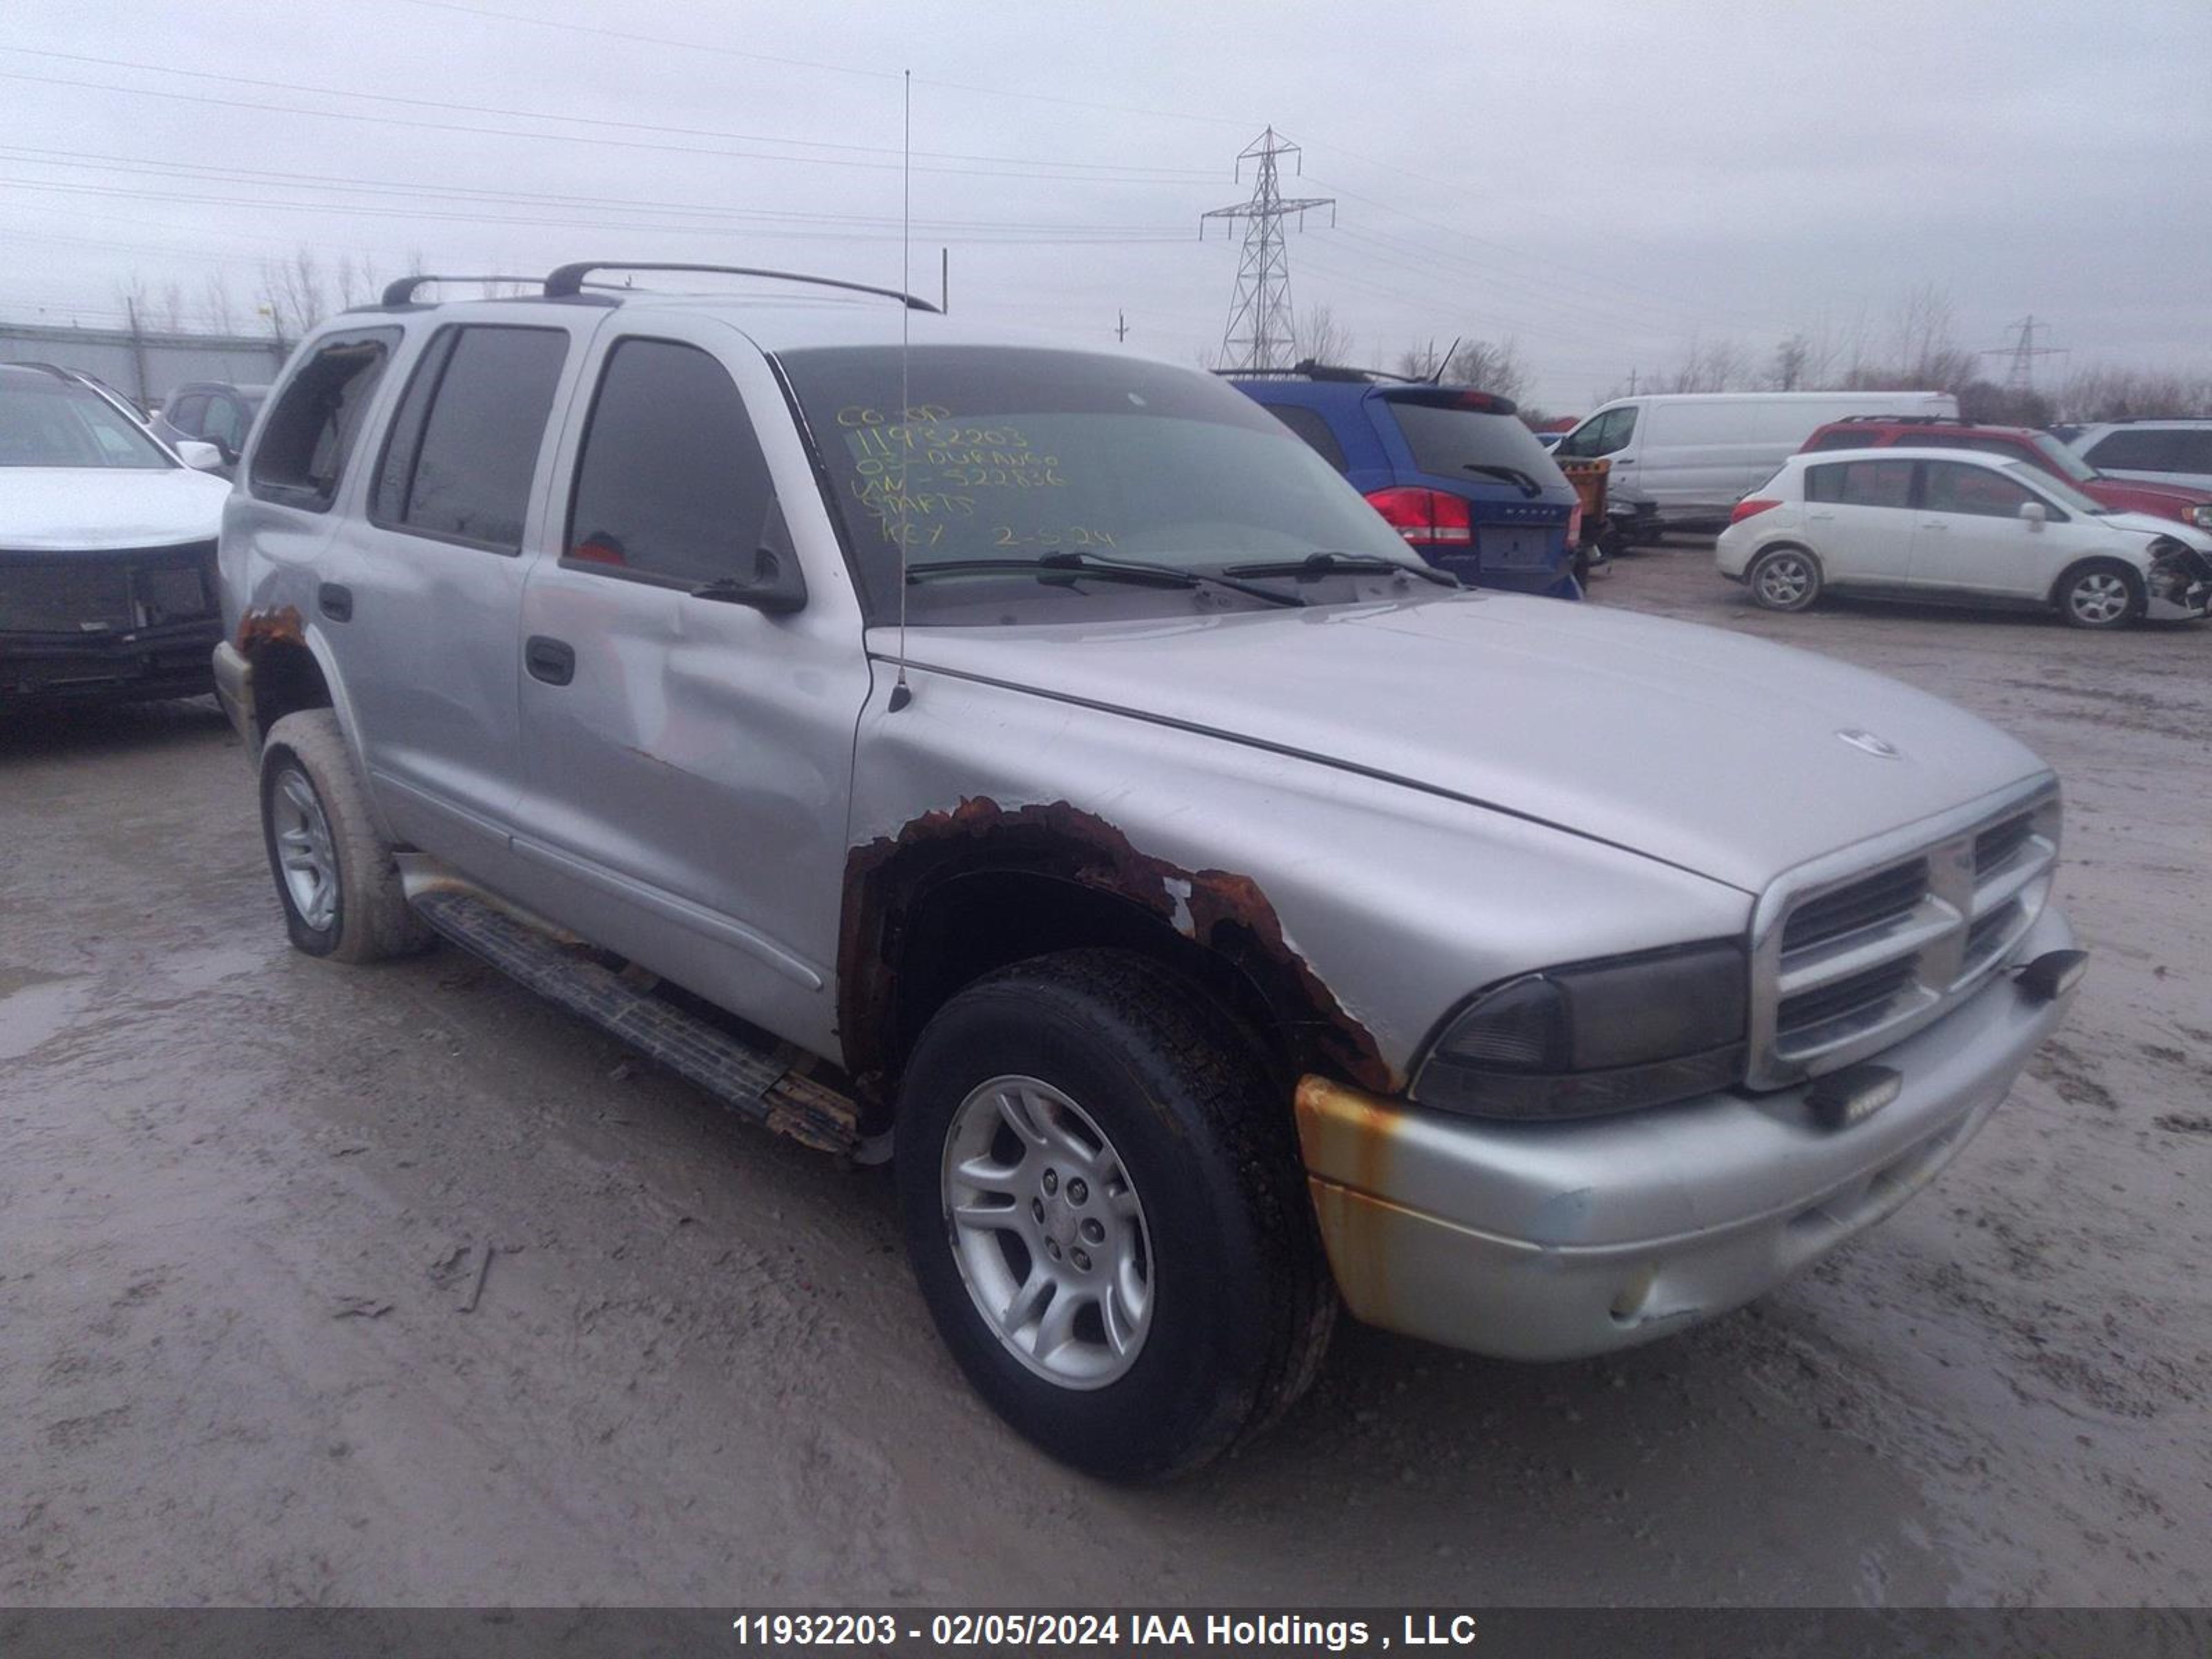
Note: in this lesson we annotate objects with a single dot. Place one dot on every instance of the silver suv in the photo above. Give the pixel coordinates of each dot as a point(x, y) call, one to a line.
point(1035, 766)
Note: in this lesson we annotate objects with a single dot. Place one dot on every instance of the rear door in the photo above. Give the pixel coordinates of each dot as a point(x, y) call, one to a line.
point(425, 584)
point(1858, 517)
point(689, 760)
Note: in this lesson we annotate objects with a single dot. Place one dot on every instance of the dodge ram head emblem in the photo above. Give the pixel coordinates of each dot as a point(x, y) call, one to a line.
point(1882, 747)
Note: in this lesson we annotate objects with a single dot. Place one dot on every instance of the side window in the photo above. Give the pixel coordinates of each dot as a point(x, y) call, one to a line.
point(1313, 427)
point(223, 423)
point(1600, 436)
point(189, 414)
point(1860, 484)
point(302, 454)
point(1846, 438)
point(2133, 449)
point(1952, 488)
point(2192, 451)
point(464, 447)
point(671, 482)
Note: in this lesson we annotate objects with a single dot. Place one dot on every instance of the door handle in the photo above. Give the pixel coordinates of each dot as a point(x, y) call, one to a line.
point(1934, 524)
point(335, 602)
point(553, 661)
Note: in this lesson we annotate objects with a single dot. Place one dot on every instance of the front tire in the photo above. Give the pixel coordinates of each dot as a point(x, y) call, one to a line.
point(1783, 579)
point(335, 875)
point(2101, 594)
point(1105, 1209)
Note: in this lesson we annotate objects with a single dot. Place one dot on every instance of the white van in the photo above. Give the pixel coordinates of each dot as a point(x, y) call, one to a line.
point(1681, 460)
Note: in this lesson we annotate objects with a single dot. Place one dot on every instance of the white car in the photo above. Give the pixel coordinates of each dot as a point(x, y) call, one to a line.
point(108, 544)
point(1943, 524)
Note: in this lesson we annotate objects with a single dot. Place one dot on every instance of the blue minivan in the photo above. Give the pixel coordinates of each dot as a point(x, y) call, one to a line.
point(1454, 470)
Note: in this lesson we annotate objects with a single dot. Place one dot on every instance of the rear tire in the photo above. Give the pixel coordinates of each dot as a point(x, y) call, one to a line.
point(1783, 579)
point(2102, 594)
point(334, 873)
point(1088, 1104)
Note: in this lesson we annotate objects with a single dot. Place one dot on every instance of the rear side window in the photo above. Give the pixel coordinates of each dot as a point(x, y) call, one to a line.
point(2192, 451)
point(302, 454)
point(1860, 484)
point(2138, 451)
point(1312, 426)
point(671, 483)
point(464, 447)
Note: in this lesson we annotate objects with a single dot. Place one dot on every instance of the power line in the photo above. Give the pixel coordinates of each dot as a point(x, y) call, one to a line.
point(595, 121)
point(1260, 331)
point(818, 63)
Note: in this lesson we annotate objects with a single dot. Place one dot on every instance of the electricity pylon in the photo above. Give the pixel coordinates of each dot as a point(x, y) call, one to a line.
point(1259, 335)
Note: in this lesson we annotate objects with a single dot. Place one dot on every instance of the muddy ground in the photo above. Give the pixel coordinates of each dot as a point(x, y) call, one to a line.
point(243, 1197)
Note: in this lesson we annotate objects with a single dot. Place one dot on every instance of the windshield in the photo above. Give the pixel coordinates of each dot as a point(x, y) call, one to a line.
point(2060, 491)
point(1452, 441)
point(50, 422)
point(2062, 460)
point(1009, 453)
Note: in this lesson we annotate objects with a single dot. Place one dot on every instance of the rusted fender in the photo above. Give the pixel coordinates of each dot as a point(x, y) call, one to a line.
point(1219, 909)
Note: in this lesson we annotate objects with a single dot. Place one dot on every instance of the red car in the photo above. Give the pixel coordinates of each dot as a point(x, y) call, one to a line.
point(2018, 443)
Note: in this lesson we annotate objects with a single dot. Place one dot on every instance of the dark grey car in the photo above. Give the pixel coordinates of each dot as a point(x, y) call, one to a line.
point(211, 411)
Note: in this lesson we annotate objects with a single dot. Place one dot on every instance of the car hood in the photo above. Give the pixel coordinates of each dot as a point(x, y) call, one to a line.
point(46, 509)
point(1711, 751)
point(2130, 495)
point(2147, 524)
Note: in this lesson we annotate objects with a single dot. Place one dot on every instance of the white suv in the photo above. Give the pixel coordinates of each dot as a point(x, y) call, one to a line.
point(1940, 525)
point(2162, 451)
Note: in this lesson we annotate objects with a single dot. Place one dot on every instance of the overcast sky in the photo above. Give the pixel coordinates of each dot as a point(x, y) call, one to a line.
point(1601, 183)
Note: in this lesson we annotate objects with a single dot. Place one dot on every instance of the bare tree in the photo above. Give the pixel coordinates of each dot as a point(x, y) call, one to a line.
point(1708, 366)
point(1421, 359)
point(1494, 366)
point(1791, 369)
point(295, 292)
point(216, 307)
point(1316, 334)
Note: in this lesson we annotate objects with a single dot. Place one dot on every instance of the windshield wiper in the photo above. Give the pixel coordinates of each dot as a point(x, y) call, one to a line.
point(1328, 562)
point(1512, 475)
point(1075, 562)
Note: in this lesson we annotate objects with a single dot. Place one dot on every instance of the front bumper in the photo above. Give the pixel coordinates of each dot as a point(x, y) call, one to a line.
point(1560, 1241)
point(164, 661)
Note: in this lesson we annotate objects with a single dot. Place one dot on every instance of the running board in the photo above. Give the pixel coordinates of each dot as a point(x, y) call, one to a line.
point(758, 1081)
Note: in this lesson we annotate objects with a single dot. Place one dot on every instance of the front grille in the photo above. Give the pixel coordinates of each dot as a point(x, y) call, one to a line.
point(1849, 1001)
point(107, 591)
point(1873, 902)
point(1859, 950)
point(1994, 845)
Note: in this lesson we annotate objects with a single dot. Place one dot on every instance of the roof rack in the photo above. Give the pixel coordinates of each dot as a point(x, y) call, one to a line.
point(1308, 369)
point(567, 281)
point(1908, 420)
point(401, 292)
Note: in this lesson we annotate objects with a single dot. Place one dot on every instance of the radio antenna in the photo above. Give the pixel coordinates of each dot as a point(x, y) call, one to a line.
point(901, 693)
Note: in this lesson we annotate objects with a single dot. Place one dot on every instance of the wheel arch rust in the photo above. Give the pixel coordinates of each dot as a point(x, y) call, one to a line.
point(890, 880)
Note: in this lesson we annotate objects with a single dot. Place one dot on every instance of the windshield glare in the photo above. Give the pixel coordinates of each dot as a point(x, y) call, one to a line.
point(1019, 454)
point(2065, 494)
point(45, 422)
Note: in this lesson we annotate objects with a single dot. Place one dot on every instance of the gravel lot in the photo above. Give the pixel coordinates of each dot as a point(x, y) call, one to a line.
point(244, 1196)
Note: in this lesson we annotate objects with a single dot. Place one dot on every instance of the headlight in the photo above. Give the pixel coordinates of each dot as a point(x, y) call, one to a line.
point(2201, 515)
point(1593, 1037)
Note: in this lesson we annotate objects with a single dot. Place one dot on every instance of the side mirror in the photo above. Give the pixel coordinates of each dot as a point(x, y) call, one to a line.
point(199, 456)
point(775, 585)
point(2035, 514)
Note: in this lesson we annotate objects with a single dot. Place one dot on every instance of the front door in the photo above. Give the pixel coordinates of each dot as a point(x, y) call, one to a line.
point(1969, 537)
point(688, 759)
